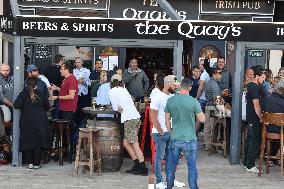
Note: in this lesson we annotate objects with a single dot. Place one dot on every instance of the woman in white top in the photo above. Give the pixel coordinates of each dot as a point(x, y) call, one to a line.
point(122, 102)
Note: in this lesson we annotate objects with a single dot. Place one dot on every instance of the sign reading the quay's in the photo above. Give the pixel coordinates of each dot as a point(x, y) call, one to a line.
point(150, 10)
point(86, 4)
point(145, 29)
point(259, 7)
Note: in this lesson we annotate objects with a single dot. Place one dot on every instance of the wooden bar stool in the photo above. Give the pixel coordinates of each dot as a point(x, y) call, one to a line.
point(275, 119)
point(92, 135)
point(218, 125)
point(61, 126)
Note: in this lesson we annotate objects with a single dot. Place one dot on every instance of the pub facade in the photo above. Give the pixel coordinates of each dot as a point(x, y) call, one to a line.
point(34, 31)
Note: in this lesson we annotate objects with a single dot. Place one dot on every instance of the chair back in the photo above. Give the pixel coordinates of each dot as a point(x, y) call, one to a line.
point(276, 119)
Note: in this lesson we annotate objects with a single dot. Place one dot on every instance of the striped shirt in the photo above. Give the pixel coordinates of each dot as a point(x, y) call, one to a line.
point(82, 73)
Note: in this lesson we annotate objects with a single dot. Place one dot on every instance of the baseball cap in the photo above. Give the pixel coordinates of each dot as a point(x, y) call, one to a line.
point(31, 68)
point(116, 77)
point(171, 79)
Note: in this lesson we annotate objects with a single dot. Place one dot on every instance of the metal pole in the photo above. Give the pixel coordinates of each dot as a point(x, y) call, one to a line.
point(235, 139)
point(18, 85)
point(178, 47)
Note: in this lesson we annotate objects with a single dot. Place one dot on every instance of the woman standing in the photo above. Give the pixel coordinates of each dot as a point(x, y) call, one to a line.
point(34, 133)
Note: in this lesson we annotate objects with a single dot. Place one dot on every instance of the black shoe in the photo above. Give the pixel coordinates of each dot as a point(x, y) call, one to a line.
point(134, 167)
point(141, 170)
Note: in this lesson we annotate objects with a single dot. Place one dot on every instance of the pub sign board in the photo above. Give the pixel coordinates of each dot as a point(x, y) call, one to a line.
point(146, 29)
point(71, 4)
point(150, 10)
point(256, 7)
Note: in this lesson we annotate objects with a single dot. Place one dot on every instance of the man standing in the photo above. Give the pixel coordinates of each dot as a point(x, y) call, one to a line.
point(159, 132)
point(200, 95)
point(183, 109)
point(196, 72)
point(6, 95)
point(224, 83)
point(212, 90)
point(32, 71)
point(253, 117)
point(68, 98)
point(95, 75)
point(122, 102)
point(82, 75)
point(136, 81)
point(52, 73)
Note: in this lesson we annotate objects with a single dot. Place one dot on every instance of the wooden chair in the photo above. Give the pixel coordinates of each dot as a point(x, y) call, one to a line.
point(92, 136)
point(276, 119)
point(219, 124)
point(60, 127)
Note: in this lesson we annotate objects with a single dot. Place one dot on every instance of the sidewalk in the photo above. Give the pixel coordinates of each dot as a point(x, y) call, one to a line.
point(215, 172)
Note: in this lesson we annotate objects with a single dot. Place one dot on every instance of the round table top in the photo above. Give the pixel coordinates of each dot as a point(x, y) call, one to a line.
point(91, 110)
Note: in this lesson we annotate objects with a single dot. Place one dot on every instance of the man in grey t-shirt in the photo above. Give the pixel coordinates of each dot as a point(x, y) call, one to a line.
point(211, 91)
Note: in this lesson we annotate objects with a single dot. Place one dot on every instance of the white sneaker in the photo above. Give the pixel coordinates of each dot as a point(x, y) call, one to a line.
point(178, 184)
point(252, 170)
point(161, 185)
point(31, 166)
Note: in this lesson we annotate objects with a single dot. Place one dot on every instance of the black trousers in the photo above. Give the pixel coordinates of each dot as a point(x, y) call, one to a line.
point(33, 156)
point(83, 101)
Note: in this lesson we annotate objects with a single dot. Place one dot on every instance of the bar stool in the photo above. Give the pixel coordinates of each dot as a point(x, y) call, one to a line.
point(92, 135)
point(61, 125)
point(218, 124)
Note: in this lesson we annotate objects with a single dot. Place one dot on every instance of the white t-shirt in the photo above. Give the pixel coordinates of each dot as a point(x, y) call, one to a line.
point(45, 80)
point(154, 92)
point(120, 97)
point(158, 103)
point(204, 77)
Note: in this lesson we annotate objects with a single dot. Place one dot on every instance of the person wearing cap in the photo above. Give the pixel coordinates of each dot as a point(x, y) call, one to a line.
point(136, 81)
point(32, 71)
point(52, 73)
point(68, 99)
point(82, 75)
point(122, 102)
point(211, 90)
point(160, 133)
point(180, 113)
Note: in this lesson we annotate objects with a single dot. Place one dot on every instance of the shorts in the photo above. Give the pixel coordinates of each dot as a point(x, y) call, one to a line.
point(131, 129)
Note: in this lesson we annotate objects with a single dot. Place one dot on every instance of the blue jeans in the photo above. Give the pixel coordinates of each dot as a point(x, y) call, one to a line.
point(189, 149)
point(202, 103)
point(161, 142)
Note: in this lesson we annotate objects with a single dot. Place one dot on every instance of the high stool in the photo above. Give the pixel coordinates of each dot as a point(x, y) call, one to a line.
point(92, 136)
point(218, 124)
point(61, 125)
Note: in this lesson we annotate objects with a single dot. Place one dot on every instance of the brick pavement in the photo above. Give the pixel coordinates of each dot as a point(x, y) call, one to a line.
point(215, 172)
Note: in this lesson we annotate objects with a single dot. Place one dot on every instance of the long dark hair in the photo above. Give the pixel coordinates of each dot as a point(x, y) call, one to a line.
point(31, 84)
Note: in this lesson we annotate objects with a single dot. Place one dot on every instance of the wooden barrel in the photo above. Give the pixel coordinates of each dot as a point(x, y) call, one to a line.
point(110, 145)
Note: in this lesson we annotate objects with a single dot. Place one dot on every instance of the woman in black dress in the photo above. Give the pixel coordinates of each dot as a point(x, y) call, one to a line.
point(34, 133)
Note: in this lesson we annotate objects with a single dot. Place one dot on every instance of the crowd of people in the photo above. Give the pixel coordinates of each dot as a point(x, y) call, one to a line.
point(177, 109)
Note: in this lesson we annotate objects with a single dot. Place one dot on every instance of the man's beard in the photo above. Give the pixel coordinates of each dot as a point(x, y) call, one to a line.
point(172, 91)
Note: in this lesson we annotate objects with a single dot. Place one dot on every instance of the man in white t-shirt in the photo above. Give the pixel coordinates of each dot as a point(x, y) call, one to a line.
point(122, 102)
point(160, 133)
point(200, 96)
